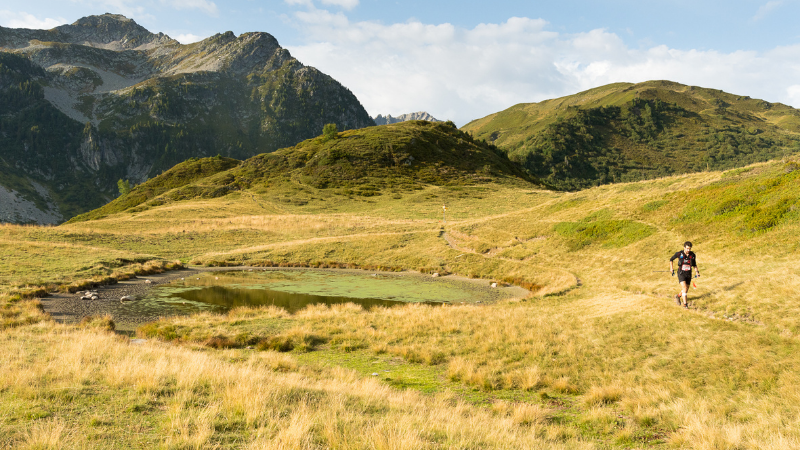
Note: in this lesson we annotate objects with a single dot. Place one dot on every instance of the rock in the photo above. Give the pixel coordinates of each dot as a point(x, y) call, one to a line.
point(126, 298)
point(95, 297)
point(435, 274)
point(148, 282)
point(494, 285)
point(388, 119)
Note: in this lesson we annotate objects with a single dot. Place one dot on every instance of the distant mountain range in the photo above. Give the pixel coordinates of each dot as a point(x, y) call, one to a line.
point(103, 99)
point(629, 132)
point(83, 106)
point(388, 119)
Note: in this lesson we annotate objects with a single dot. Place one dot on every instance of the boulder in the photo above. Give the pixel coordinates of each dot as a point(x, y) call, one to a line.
point(126, 298)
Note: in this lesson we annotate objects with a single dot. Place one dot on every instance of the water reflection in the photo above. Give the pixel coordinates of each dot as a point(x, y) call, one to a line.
point(222, 299)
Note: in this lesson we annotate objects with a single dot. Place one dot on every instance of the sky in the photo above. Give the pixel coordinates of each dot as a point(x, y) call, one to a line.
point(462, 60)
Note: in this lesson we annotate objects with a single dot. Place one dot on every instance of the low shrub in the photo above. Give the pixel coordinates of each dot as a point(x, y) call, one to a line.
point(104, 323)
point(605, 395)
point(276, 343)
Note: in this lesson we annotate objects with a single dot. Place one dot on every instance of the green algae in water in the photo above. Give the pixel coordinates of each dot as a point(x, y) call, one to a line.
point(295, 289)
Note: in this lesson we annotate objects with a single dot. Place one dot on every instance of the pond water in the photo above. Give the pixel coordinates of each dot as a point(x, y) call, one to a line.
point(293, 290)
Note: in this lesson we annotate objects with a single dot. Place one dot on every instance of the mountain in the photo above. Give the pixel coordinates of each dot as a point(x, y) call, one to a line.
point(628, 132)
point(103, 99)
point(366, 162)
point(388, 119)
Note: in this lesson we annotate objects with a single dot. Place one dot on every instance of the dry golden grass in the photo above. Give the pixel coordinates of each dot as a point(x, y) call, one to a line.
point(626, 367)
point(691, 371)
point(202, 392)
point(48, 434)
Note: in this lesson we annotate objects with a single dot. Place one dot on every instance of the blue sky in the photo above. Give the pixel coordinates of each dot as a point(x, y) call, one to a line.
point(462, 60)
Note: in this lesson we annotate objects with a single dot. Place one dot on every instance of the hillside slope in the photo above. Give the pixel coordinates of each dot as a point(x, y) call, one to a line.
point(368, 162)
point(104, 99)
point(598, 357)
point(628, 132)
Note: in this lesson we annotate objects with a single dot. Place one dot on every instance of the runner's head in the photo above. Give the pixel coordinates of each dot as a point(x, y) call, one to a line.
point(687, 246)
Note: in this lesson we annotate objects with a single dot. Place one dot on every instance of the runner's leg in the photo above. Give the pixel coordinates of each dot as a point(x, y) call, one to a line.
point(684, 292)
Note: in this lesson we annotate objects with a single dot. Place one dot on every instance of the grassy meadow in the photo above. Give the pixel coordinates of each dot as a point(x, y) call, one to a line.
point(597, 356)
point(631, 132)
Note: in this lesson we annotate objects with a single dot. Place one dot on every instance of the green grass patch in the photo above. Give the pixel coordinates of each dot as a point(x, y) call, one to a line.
point(606, 233)
point(655, 205)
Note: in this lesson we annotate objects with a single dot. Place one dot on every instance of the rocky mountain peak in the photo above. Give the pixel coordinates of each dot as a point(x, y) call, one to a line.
point(389, 119)
point(110, 31)
point(115, 100)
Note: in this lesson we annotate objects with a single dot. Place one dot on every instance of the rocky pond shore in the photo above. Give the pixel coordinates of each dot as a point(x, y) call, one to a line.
point(120, 300)
point(71, 308)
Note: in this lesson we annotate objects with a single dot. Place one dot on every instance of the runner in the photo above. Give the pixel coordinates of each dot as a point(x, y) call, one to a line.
point(687, 260)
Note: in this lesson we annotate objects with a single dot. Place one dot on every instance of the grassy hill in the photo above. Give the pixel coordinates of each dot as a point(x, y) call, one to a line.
point(178, 176)
point(598, 356)
point(374, 161)
point(628, 132)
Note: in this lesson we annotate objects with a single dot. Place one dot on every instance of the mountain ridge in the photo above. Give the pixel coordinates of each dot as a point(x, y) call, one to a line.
point(135, 103)
point(419, 115)
point(629, 132)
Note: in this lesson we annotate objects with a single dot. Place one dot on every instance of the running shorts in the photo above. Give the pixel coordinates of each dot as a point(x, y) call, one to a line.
point(684, 276)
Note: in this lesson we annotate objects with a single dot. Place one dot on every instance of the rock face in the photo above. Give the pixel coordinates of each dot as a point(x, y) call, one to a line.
point(103, 99)
point(388, 119)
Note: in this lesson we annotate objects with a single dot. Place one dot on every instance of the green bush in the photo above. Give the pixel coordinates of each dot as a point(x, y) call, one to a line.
point(330, 131)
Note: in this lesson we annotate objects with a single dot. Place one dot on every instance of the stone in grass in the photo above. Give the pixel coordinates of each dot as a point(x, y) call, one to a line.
point(126, 298)
point(435, 274)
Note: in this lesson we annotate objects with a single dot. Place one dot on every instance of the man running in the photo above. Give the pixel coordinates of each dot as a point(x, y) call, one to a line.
point(687, 260)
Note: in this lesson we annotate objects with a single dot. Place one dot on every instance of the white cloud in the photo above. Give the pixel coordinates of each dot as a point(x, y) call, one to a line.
point(793, 94)
point(188, 38)
point(320, 17)
point(206, 6)
point(344, 4)
point(307, 3)
point(464, 74)
point(24, 20)
point(765, 9)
